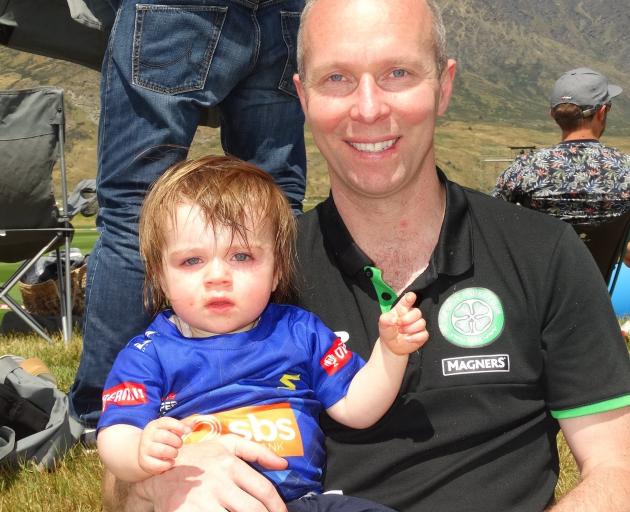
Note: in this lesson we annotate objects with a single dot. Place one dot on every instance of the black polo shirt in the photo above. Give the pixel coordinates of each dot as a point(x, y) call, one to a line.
point(521, 331)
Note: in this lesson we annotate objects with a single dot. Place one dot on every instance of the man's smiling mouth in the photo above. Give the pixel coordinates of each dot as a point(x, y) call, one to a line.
point(373, 147)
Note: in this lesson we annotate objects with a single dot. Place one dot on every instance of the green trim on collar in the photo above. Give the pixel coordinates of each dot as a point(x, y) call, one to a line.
point(605, 406)
point(384, 293)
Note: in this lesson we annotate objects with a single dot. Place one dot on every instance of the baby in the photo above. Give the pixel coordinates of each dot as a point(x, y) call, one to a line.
point(223, 355)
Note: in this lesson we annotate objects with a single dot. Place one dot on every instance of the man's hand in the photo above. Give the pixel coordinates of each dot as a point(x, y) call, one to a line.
point(403, 330)
point(160, 442)
point(214, 476)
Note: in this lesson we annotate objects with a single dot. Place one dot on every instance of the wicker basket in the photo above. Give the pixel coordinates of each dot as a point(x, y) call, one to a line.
point(43, 298)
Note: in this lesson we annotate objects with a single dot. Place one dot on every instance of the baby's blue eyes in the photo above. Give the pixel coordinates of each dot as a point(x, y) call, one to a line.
point(238, 257)
point(241, 256)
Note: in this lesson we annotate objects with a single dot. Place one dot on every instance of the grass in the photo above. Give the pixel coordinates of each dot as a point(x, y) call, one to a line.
point(75, 484)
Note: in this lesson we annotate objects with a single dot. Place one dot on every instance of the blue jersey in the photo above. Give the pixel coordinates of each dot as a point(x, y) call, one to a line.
point(268, 384)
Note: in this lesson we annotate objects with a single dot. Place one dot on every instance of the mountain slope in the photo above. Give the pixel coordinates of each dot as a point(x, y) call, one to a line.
point(509, 54)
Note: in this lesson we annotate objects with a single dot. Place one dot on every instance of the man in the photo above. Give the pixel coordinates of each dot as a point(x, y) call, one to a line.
point(515, 341)
point(166, 64)
point(579, 179)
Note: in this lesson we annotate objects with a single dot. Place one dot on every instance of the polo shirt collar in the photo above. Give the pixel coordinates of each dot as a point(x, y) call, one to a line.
point(453, 254)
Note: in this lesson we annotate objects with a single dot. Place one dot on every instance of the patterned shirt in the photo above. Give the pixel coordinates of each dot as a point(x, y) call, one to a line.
point(577, 181)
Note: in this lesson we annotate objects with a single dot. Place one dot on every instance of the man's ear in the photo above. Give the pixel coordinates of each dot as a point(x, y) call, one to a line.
point(299, 87)
point(601, 113)
point(446, 86)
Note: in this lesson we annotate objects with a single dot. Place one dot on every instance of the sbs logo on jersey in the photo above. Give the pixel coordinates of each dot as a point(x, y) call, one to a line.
point(472, 317)
point(273, 425)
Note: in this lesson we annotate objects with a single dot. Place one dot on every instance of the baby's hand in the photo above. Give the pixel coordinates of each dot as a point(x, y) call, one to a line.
point(402, 329)
point(160, 443)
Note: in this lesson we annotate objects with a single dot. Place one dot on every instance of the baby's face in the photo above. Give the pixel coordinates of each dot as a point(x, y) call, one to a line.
point(214, 283)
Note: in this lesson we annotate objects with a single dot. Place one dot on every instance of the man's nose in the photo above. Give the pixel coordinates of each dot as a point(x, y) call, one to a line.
point(370, 101)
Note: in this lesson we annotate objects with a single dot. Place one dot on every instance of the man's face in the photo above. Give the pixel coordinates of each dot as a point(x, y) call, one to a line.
point(371, 92)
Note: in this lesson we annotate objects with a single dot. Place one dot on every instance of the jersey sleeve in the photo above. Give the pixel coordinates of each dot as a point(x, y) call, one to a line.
point(333, 364)
point(587, 367)
point(133, 389)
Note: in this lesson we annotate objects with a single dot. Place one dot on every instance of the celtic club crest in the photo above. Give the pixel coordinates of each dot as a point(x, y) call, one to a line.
point(472, 317)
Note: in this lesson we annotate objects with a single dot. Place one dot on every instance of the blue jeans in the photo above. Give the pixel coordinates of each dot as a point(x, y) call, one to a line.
point(167, 62)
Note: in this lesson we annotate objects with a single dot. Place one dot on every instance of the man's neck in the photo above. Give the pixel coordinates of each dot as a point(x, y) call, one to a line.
point(580, 134)
point(398, 233)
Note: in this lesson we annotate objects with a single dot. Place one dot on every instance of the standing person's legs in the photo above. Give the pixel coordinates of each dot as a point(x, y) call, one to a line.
point(153, 87)
point(262, 120)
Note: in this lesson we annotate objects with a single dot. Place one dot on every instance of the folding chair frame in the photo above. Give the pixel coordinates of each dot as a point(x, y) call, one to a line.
point(62, 231)
point(65, 290)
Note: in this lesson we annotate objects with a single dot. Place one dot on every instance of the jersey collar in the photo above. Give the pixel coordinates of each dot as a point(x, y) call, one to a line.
point(453, 254)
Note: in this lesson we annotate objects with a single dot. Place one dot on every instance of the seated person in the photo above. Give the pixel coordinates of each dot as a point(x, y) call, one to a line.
point(218, 240)
point(578, 180)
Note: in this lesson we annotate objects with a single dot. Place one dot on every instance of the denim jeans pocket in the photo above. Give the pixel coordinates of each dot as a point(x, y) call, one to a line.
point(290, 25)
point(173, 46)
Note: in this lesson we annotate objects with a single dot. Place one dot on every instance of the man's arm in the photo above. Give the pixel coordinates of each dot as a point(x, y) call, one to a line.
point(601, 446)
point(207, 477)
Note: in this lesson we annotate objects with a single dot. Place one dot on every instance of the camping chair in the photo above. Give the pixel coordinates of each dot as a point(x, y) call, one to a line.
point(31, 140)
point(607, 243)
point(606, 240)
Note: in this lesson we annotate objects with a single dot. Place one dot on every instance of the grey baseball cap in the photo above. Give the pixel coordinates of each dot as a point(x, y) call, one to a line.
point(583, 87)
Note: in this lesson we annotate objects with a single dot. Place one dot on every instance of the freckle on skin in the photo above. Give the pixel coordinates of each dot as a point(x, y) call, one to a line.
point(403, 224)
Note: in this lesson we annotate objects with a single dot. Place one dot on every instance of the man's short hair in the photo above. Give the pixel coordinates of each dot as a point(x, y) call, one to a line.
point(229, 192)
point(438, 29)
point(569, 117)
